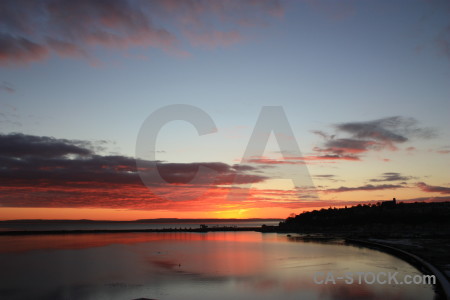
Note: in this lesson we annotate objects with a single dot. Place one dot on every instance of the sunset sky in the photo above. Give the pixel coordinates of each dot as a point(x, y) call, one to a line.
point(364, 87)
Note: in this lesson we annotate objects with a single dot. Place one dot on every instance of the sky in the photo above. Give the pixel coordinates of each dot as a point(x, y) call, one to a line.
point(123, 110)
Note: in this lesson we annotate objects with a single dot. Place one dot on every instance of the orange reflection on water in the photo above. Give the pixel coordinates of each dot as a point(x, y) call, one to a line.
point(25, 243)
point(186, 265)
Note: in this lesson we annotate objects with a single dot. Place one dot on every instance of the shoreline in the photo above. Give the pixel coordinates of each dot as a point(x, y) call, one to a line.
point(419, 261)
point(424, 266)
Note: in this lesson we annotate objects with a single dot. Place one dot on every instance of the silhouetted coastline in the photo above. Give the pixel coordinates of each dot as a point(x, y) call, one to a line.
point(416, 232)
point(384, 219)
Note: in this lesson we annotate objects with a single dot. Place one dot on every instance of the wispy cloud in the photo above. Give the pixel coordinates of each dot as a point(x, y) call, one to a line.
point(444, 150)
point(327, 177)
point(272, 161)
point(433, 189)
point(33, 30)
point(367, 187)
point(391, 176)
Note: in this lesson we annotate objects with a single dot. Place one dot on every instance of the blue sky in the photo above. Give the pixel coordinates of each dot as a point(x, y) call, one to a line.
point(325, 63)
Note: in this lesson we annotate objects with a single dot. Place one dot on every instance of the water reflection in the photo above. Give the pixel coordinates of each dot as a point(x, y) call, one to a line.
point(222, 265)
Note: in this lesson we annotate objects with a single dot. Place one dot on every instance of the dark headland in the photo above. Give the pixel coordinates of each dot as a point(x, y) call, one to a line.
point(416, 232)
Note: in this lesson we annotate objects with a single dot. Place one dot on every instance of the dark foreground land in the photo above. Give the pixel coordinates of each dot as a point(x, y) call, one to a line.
point(421, 229)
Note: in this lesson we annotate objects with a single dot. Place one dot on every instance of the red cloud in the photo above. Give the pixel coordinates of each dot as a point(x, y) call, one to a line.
point(48, 172)
point(444, 150)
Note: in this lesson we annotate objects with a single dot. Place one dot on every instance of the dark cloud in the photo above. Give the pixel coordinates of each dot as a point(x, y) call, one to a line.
point(380, 130)
point(32, 30)
point(44, 171)
point(243, 168)
point(19, 145)
point(367, 187)
point(427, 199)
point(391, 176)
point(345, 149)
point(348, 145)
point(377, 135)
point(433, 189)
point(325, 176)
point(225, 174)
point(388, 130)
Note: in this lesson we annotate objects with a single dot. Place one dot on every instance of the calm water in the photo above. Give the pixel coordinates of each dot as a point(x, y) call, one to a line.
point(39, 226)
point(214, 265)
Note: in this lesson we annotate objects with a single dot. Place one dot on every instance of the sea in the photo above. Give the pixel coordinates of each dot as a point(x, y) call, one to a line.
point(244, 265)
point(67, 225)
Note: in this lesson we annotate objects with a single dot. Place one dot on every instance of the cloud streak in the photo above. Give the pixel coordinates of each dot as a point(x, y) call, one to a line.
point(391, 176)
point(433, 189)
point(33, 30)
point(367, 187)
